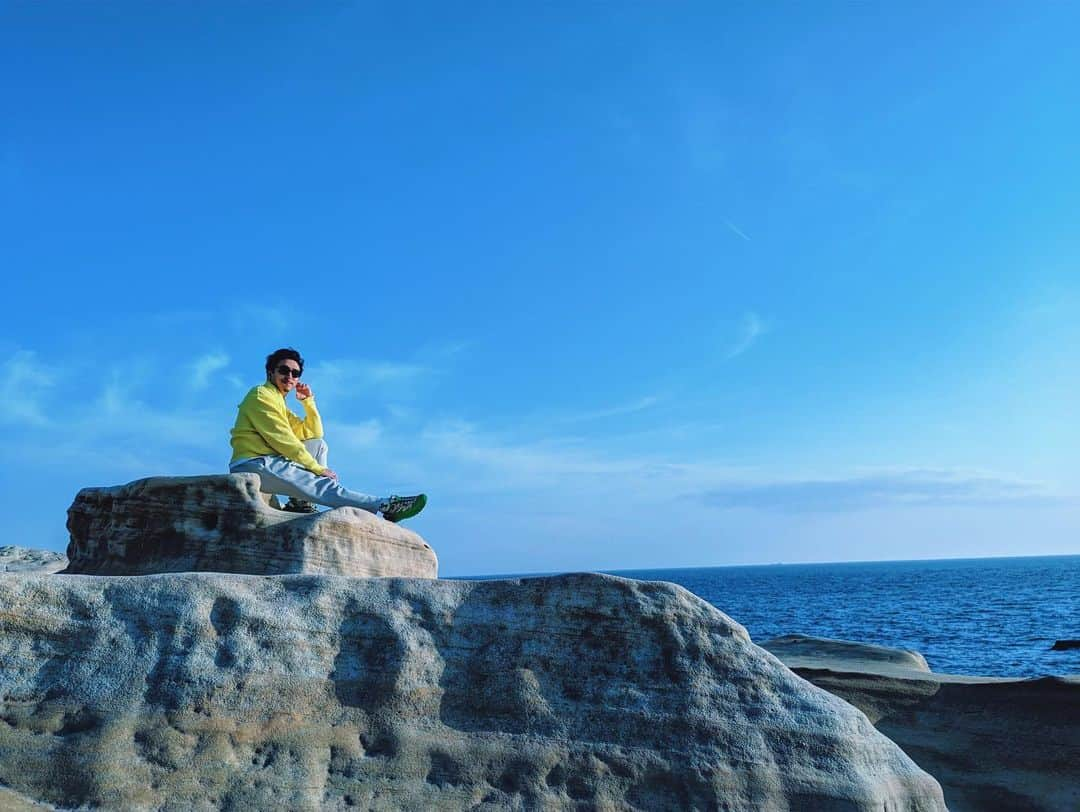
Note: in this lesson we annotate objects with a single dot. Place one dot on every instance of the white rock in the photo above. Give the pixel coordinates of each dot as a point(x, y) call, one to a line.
point(802, 651)
point(26, 559)
point(205, 691)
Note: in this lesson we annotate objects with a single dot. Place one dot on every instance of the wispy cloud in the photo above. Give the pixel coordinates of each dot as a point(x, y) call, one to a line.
point(751, 328)
point(119, 415)
point(515, 461)
point(345, 377)
point(380, 371)
point(30, 378)
point(366, 371)
point(357, 435)
point(118, 433)
point(613, 411)
point(888, 489)
point(249, 316)
point(445, 350)
point(734, 229)
point(205, 366)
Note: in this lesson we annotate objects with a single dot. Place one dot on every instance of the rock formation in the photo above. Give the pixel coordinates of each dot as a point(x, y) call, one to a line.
point(223, 524)
point(204, 690)
point(992, 743)
point(801, 651)
point(25, 559)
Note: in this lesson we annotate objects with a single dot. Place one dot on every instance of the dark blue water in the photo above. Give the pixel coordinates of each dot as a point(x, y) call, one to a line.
point(988, 616)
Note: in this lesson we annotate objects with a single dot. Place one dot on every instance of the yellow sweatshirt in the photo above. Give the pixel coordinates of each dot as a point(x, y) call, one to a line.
point(265, 427)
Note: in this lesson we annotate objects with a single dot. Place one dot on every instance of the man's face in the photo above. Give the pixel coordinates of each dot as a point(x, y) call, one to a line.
point(283, 375)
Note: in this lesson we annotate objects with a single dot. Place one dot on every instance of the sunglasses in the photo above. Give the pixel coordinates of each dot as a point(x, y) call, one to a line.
point(284, 370)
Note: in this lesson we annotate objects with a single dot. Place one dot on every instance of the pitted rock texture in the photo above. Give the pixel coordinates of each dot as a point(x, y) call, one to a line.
point(26, 559)
point(223, 524)
point(206, 691)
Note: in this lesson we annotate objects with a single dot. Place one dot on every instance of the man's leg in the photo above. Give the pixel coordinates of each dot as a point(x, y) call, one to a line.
point(279, 475)
point(318, 449)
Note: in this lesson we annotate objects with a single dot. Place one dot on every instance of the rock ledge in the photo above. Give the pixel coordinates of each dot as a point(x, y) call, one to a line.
point(223, 524)
point(992, 742)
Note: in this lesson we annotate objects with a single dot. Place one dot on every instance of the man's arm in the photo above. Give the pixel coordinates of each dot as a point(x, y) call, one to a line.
point(278, 434)
point(310, 427)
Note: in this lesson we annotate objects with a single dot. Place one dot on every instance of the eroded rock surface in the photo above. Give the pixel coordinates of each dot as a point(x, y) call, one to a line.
point(307, 692)
point(223, 524)
point(26, 559)
point(993, 743)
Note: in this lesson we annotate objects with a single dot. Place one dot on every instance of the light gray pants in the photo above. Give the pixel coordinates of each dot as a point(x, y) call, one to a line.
point(283, 476)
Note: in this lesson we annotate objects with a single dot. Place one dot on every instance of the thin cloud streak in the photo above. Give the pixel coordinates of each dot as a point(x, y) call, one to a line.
point(750, 330)
point(471, 458)
point(734, 229)
point(613, 411)
point(365, 371)
point(513, 462)
point(343, 378)
point(916, 488)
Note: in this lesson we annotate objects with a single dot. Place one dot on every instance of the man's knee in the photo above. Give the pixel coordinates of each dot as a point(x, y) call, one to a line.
point(316, 447)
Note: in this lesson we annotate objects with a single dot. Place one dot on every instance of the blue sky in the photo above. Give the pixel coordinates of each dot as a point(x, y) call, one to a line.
point(618, 285)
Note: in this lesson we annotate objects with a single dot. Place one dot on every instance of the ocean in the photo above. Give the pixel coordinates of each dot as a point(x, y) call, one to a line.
point(993, 617)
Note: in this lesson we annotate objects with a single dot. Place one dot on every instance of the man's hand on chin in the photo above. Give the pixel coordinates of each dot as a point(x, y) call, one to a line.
point(303, 391)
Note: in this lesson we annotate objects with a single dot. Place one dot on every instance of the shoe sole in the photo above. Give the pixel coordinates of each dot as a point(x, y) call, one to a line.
point(415, 508)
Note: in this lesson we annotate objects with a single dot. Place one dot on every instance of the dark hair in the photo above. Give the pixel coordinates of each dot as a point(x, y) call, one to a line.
point(277, 356)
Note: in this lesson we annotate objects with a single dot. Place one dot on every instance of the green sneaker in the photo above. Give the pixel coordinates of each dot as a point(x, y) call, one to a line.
point(403, 507)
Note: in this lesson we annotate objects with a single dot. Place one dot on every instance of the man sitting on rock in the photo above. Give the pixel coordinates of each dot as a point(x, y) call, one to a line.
point(289, 454)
